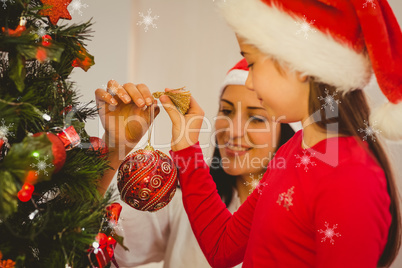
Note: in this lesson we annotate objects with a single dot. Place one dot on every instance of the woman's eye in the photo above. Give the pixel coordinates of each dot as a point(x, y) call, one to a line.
point(225, 111)
point(250, 65)
point(258, 119)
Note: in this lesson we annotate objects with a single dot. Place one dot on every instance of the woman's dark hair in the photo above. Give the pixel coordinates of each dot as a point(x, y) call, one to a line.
point(353, 111)
point(225, 182)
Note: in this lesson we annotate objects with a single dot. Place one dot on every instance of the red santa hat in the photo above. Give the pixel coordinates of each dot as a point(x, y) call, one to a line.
point(237, 75)
point(339, 42)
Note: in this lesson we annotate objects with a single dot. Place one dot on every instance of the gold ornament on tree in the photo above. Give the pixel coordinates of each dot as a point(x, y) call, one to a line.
point(179, 97)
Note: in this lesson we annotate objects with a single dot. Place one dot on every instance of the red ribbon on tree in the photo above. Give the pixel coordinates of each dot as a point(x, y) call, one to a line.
point(69, 137)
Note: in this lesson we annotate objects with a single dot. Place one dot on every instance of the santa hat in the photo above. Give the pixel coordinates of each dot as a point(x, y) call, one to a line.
point(237, 75)
point(339, 42)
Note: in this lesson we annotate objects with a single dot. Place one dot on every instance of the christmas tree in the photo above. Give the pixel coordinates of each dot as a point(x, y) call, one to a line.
point(51, 214)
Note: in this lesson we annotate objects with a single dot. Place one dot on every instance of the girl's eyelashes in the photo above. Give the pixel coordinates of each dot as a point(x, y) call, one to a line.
point(250, 65)
point(225, 111)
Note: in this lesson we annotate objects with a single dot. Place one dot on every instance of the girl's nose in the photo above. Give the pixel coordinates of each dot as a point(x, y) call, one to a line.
point(249, 82)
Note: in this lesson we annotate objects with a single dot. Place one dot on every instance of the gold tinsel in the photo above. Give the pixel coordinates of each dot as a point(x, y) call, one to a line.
point(180, 98)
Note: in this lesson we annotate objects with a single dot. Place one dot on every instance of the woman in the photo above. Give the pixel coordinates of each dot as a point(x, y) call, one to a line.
point(246, 139)
point(336, 203)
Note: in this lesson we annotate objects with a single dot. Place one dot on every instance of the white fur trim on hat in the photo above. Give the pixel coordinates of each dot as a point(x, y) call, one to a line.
point(277, 34)
point(235, 77)
point(388, 119)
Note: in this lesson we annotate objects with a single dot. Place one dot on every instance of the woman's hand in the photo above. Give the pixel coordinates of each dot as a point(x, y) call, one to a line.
point(123, 113)
point(186, 128)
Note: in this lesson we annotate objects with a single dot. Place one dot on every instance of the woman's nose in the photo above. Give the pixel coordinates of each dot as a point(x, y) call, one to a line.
point(238, 128)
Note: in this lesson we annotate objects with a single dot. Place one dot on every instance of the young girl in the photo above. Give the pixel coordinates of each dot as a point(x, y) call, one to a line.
point(336, 203)
point(243, 124)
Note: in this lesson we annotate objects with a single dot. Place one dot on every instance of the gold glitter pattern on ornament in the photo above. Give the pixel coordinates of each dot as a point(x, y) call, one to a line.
point(181, 98)
point(147, 180)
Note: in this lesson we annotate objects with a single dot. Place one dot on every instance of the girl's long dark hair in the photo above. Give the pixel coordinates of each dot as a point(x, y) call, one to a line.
point(353, 113)
point(225, 182)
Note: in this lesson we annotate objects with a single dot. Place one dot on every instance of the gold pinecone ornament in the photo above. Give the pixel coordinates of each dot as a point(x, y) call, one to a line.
point(179, 97)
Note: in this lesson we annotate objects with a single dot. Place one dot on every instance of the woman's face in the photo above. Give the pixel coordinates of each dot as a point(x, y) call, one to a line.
point(246, 136)
point(284, 92)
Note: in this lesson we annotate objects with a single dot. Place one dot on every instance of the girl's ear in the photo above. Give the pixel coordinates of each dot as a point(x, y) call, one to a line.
point(302, 77)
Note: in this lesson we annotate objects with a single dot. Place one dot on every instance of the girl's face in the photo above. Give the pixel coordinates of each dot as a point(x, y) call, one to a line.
point(284, 92)
point(246, 136)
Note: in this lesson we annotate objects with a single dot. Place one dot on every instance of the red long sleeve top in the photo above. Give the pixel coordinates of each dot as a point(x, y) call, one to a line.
point(326, 206)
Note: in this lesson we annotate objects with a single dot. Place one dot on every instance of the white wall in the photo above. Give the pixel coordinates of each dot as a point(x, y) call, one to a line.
point(191, 47)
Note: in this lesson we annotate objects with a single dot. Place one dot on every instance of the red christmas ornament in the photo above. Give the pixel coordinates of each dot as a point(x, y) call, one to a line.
point(19, 30)
point(46, 40)
point(41, 54)
point(31, 177)
point(25, 194)
point(98, 144)
point(102, 250)
point(113, 212)
point(84, 59)
point(58, 150)
point(147, 179)
point(55, 10)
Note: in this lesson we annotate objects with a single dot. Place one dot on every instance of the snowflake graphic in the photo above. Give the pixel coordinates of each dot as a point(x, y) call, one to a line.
point(40, 31)
point(286, 198)
point(369, 2)
point(5, 130)
point(42, 165)
point(305, 27)
point(112, 224)
point(369, 131)
point(255, 183)
point(5, 1)
point(329, 233)
point(76, 5)
point(329, 100)
point(305, 160)
point(147, 20)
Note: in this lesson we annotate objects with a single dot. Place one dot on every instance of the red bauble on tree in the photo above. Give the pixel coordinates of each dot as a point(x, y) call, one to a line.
point(147, 179)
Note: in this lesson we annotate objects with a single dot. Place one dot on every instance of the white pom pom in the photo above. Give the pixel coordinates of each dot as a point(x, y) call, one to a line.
point(388, 118)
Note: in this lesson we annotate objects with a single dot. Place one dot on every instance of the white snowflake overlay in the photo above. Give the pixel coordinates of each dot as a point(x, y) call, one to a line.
point(329, 233)
point(255, 183)
point(112, 224)
point(286, 198)
point(5, 130)
point(147, 20)
point(305, 160)
point(369, 131)
point(305, 27)
point(76, 5)
point(329, 100)
point(42, 165)
point(5, 1)
point(41, 30)
point(369, 2)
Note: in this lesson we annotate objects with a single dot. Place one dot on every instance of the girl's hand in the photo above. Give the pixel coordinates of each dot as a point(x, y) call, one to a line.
point(186, 128)
point(123, 113)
